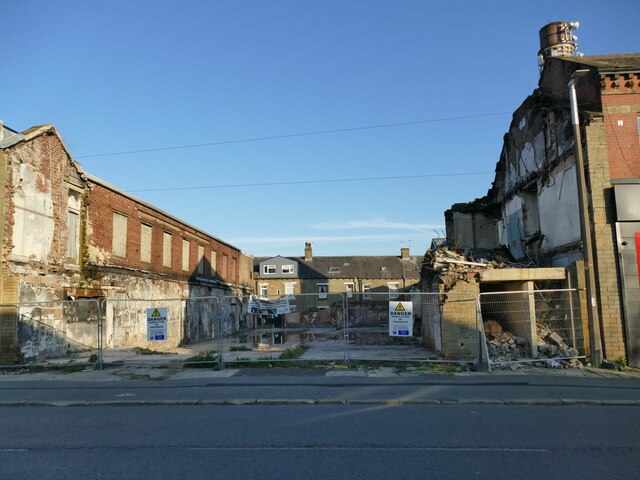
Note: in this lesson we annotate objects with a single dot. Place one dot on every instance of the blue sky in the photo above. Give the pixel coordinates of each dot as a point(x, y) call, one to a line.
point(125, 76)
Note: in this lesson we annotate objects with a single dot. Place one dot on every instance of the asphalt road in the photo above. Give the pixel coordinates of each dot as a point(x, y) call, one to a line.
point(320, 442)
point(309, 386)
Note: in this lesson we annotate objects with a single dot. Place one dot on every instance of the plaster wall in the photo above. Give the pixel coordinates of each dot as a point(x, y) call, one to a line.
point(558, 209)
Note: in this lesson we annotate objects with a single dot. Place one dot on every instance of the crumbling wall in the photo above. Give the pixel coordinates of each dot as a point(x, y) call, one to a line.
point(460, 334)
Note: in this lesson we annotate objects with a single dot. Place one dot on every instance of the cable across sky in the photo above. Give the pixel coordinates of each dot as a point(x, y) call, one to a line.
point(291, 135)
point(302, 182)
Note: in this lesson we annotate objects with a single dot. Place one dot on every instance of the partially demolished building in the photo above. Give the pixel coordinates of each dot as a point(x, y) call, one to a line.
point(68, 236)
point(532, 207)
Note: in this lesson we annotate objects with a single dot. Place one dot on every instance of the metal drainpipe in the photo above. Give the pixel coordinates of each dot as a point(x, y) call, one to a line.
point(595, 344)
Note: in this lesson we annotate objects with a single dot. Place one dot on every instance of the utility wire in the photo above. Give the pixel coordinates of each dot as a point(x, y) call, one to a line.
point(306, 182)
point(291, 135)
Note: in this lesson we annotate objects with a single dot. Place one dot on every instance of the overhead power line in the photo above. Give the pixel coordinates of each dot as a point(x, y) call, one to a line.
point(291, 135)
point(303, 182)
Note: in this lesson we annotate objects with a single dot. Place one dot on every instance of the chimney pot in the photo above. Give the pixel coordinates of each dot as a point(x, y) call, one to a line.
point(308, 252)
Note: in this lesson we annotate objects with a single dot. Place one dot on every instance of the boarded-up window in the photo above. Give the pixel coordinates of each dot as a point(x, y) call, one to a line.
point(72, 244)
point(225, 260)
point(166, 250)
point(73, 222)
point(232, 269)
point(200, 259)
point(145, 242)
point(214, 260)
point(185, 255)
point(119, 241)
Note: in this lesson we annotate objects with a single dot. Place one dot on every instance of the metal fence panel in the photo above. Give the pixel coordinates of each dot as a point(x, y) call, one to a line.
point(125, 323)
point(368, 330)
point(55, 329)
point(311, 330)
point(525, 326)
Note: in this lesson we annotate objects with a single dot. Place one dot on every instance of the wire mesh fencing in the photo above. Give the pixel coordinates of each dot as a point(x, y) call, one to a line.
point(387, 326)
point(45, 331)
point(284, 329)
point(499, 328)
point(533, 325)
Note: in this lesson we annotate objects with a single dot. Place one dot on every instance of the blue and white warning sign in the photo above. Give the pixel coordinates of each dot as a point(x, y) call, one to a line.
point(156, 324)
point(400, 319)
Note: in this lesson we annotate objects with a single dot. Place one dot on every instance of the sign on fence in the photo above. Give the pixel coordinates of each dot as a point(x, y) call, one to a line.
point(157, 323)
point(269, 307)
point(401, 319)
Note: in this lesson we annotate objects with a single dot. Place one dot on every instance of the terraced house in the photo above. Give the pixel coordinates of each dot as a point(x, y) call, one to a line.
point(325, 275)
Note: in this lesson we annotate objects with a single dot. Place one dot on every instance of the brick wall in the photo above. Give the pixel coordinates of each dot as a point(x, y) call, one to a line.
point(449, 321)
point(103, 202)
point(623, 139)
point(603, 231)
point(459, 327)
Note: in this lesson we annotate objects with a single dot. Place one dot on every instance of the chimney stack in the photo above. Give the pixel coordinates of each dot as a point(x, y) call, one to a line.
point(404, 253)
point(557, 40)
point(308, 252)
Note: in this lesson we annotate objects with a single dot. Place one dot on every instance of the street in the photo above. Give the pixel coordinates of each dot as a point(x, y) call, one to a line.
point(320, 441)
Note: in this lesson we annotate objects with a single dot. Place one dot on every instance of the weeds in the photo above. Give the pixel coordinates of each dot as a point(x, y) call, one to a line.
point(202, 360)
point(146, 351)
point(293, 352)
point(239, 348)
point(621, 361)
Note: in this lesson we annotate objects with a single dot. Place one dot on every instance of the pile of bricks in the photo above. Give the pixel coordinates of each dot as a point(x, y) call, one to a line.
point(504, 347)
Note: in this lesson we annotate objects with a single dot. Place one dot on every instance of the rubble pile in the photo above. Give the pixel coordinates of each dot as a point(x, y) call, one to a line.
point(459, 264)
point(550, 344)
point(505, 347)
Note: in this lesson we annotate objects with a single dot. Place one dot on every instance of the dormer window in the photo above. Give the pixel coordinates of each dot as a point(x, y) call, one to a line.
point(334, 269)
point(269, 269)
point(287, 269)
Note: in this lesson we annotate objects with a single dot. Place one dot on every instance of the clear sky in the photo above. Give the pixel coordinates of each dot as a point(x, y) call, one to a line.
point(123, 76)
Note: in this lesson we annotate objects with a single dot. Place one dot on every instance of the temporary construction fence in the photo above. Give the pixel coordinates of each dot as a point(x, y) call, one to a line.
point(300, 327)
point(53, 328)
point(497, 328)
point(370, 326)
point(532, 325)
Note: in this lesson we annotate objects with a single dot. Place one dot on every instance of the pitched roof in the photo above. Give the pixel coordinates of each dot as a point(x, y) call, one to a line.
point(390, 267)
point(620, 62)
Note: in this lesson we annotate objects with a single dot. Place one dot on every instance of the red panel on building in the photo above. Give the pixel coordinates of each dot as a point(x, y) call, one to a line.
point(638, 253)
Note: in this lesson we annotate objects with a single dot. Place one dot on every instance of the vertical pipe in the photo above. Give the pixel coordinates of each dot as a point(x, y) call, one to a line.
point(573, 326)
point(585, 230)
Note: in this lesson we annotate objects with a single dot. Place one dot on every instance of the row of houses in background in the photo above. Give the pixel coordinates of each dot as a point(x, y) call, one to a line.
point(366, 275)
point(532, 207)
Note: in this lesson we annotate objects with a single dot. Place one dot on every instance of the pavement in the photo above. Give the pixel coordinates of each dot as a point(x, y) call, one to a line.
point(118, 385)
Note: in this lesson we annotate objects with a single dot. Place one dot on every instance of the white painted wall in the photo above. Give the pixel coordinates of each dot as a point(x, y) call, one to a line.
point(33, 215)
point(559, 211)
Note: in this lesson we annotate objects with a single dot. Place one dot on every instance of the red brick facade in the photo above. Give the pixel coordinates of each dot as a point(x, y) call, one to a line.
point(621, 125)
point(103, 202)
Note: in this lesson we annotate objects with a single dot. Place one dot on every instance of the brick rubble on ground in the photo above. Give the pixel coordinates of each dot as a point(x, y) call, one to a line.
point(504, 347)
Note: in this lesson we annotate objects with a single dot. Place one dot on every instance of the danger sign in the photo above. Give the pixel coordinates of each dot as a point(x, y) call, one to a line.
point(401, 319)
point(156, 324)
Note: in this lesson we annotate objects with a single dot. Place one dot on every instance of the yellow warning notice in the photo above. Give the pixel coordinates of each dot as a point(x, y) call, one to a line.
point(399, 308)
point(156, 313)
